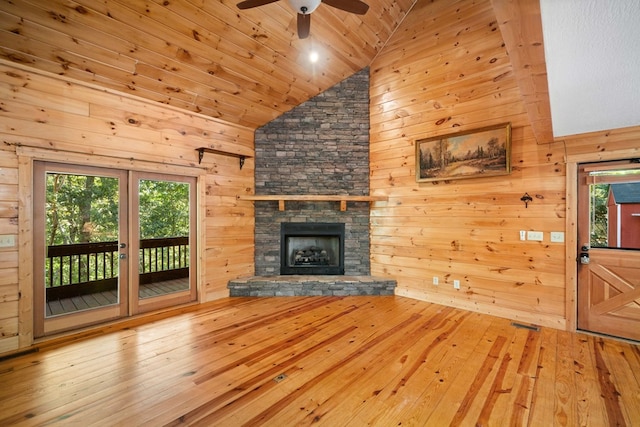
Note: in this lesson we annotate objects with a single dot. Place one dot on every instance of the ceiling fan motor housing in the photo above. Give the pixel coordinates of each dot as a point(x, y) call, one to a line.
point(304, 7)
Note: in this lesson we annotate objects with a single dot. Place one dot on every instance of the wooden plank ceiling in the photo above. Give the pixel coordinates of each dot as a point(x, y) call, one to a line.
point(242, 66)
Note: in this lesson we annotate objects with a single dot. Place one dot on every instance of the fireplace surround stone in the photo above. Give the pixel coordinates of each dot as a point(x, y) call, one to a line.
point(320, 147)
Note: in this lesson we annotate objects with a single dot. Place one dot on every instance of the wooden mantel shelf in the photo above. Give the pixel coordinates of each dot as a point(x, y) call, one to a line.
point(343, 199)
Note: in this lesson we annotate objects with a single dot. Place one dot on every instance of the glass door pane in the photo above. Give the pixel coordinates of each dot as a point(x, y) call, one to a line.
point(81, 269)
point(164, 220)
point(79, 279)
point(614, 209)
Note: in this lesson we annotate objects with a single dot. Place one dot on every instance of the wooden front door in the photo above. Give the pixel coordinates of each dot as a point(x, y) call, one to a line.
point(608, 253)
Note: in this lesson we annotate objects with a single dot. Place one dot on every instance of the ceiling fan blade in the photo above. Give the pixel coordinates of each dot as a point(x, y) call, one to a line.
point(304, 25)
point(248, 4)
point(353, 6)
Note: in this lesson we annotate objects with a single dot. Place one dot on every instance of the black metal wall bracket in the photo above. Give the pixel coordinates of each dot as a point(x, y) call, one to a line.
point(203, 150)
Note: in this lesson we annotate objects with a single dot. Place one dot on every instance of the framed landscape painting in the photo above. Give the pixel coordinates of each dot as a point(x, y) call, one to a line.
point(472, 154)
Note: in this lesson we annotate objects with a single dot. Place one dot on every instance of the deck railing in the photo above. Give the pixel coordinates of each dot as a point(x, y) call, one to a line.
point(84, 268)
point(163, 259)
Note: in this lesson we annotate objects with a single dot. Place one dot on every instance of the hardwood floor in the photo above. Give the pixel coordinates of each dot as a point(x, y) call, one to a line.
point(332, 361)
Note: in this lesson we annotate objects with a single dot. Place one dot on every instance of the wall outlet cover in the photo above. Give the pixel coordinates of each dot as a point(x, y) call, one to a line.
point(535, 235)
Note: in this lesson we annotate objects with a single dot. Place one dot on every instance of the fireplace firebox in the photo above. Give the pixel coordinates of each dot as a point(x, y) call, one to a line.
point(311, 248)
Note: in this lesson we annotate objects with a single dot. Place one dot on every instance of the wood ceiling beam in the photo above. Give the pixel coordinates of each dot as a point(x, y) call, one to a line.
point(521, 27)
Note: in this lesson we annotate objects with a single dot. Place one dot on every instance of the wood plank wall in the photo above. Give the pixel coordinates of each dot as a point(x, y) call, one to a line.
point(41, 113)
point(446, 70)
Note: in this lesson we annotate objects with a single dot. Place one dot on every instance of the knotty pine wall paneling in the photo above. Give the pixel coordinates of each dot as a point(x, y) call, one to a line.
point(43, 116)
point(446, 70)
point(8, 255)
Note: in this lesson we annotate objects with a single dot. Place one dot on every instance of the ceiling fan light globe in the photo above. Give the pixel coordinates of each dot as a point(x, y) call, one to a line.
point(304, 7)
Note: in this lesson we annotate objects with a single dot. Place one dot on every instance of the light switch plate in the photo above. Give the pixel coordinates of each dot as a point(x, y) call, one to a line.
point(534, 235)
point(7, 241)
point(557, 236)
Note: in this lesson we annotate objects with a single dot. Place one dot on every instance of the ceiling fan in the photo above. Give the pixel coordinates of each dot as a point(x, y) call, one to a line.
point(305, 7)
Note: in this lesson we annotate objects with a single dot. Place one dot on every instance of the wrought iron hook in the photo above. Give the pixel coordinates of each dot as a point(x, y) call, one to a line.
point(526, 199)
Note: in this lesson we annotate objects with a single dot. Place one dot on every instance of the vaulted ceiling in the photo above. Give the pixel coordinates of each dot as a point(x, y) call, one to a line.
point(242, 66)
point(249, 66)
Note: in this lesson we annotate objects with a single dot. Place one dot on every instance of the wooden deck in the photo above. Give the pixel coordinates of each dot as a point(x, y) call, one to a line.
point(331, 361)
point(100, 299)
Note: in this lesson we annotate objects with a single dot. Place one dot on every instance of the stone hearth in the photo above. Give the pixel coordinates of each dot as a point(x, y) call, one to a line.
point(294, 285)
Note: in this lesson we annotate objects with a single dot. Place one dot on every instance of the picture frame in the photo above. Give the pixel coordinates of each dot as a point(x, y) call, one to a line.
point(475, 153)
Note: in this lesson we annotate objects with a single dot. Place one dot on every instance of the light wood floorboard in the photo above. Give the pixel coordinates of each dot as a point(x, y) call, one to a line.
point(350, 361)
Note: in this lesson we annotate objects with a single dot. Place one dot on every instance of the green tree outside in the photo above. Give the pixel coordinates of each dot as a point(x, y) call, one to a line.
point(599, 221)
point(164, 209)
point(85, 209)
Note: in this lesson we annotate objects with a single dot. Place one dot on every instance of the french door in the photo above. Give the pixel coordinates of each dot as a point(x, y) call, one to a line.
point(109, 244)
point(609, 249)
point(163, 221)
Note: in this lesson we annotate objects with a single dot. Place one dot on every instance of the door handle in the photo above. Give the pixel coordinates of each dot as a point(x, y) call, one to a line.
point(123, 245)
point(584, 255)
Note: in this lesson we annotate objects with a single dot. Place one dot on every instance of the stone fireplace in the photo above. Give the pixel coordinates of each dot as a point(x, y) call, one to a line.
point(269, 255)
point(311, 248)
point(320, 147)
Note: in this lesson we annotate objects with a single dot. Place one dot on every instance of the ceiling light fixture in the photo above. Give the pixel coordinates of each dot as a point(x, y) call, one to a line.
point(304, 7)
point(313, 56)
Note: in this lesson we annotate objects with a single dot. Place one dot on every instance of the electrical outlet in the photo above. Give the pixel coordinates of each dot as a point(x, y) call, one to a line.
point(534, 235)
point(557, 236)
point(456, 284)
point(435, 280)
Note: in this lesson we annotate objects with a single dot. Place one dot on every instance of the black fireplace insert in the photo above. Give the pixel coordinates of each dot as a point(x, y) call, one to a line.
point(311, 248)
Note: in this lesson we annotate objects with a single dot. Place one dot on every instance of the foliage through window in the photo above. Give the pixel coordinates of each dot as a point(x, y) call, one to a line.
point(599, 216)
point(164, 209)
point(80, 209)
